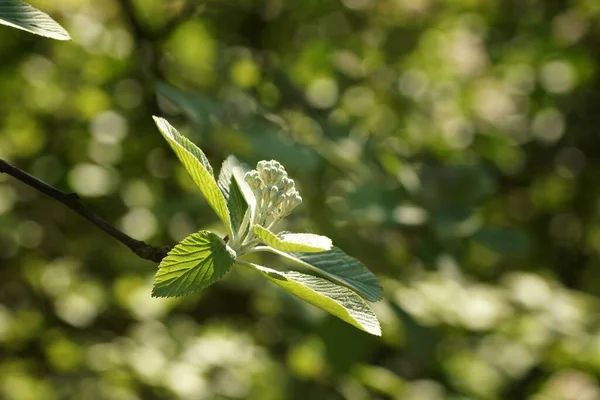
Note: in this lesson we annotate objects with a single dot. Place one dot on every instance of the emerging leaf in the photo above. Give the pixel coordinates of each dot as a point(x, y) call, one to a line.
point(239, 170)
point(293, 242)
point(198, 261)
point(197, 165)
point(341, 268)
point(20, 15)
point(236, 203)
point(335, 299)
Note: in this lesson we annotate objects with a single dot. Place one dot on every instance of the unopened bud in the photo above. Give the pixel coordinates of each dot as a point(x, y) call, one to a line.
point(294, 200)
point(261, 166)
point(253, 180)
point(275, 192)
point(287, 184)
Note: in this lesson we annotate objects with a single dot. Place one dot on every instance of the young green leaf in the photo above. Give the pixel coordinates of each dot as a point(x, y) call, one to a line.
point(236, 203)
point(198, 261)
point(197, 165)
point(293, 242)
point(20, 15)
point(239, 170)
point(335, 299)
point(339, 267)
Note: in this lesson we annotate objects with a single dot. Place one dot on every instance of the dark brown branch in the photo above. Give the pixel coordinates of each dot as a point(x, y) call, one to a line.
point(72, 200)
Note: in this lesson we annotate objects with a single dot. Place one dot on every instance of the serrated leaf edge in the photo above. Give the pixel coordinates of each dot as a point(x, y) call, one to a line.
point(171, 252)
point(373, 330)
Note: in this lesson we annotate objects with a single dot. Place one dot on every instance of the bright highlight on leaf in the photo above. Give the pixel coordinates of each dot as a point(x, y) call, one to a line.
point(293, 242)
point(236, 203)
point(196, 164)
point(198, 261)
point(337, 300)
point(20, 15)
point(341, 268)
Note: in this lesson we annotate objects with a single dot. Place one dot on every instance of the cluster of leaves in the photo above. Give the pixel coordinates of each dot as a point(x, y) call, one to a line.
point(203, 257)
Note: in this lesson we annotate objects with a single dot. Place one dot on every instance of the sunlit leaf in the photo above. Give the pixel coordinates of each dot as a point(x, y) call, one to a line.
point(335, 299)
point(294, 242)
point(339, 267)
point(20, 15)
point(236, 203)
point(198, 261)
point(238, 174)
point(197, 165)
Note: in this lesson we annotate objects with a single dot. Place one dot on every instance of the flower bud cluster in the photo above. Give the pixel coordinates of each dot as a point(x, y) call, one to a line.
point(276, 194)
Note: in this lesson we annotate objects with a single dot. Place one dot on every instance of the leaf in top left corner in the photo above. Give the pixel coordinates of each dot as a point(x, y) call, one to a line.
point(20, 15)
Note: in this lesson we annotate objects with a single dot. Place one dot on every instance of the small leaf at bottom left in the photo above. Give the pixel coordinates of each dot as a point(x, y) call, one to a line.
point(196, 262)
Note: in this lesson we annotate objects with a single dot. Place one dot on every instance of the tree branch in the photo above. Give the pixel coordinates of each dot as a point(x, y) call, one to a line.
point(72, 200)
point(189, 10)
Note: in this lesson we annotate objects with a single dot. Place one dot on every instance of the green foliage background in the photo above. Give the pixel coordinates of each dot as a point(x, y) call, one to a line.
point(451, 145)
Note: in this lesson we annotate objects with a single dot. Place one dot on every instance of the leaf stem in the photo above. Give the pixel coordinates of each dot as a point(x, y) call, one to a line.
point(247, 247)
point(246, 264)
point(260, 248)
point(72, 200)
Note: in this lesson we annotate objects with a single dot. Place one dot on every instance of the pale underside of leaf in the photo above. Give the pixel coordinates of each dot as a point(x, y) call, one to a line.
point(20, 15)
point(239, 171)
point(339, 267)
point(236, 203)
point(196, 164)
point(335, 299)
point(293, 242)
point(196, 262)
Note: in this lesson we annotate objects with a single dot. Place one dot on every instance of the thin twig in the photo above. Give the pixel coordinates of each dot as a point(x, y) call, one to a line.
point(139, 30)
point(144, 44)
point(147, 53)
point(72, 200)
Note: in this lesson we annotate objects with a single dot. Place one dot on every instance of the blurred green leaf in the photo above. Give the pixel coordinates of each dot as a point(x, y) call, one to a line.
point(269, 141)
point(197, 262)
point(338, 338)
point(460, 184)
point(266, 135)
point(337, 300)
point(506, 241)
point(195, 107)
point(20, 15)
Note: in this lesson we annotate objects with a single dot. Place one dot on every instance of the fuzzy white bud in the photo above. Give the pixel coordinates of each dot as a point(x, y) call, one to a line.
point(276, 195)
